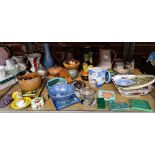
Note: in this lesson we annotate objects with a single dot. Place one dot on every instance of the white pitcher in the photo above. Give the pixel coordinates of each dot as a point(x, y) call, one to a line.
point(105, 58)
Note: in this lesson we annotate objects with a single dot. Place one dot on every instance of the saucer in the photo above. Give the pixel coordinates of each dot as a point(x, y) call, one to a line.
point(21, 105)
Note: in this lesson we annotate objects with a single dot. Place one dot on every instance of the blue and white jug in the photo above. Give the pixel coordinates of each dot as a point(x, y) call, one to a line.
point(99, 75)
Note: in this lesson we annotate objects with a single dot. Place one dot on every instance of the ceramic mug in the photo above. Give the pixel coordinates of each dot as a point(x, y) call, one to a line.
point(2, 72)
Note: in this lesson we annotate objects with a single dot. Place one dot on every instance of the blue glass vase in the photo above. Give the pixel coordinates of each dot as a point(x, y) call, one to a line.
point(48, 60)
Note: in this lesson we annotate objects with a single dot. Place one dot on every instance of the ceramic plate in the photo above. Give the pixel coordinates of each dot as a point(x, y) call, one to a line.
point(124, 82)
point(27, 101)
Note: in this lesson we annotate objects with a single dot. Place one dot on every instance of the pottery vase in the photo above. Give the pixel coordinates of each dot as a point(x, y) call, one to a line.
point(48, 58)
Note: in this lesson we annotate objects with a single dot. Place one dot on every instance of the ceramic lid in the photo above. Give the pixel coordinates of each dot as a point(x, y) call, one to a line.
point(87, 91)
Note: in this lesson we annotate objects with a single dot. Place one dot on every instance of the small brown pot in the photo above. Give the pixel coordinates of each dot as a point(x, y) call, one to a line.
point(29, 82)
point(54, 70)
point(84, 76)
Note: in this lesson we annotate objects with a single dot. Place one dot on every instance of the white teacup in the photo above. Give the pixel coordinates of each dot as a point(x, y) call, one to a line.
point(2, 72)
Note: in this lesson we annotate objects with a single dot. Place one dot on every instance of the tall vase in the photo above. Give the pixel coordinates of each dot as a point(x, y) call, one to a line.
point(48, 60)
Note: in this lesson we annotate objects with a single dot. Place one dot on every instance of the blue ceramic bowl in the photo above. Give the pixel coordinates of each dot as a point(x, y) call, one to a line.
point(54, 81)
point(61, 92)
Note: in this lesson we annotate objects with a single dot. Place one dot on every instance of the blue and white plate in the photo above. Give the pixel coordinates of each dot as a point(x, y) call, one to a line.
point(124, 82)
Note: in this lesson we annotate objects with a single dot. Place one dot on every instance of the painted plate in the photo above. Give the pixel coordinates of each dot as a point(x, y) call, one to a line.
point(124, 82)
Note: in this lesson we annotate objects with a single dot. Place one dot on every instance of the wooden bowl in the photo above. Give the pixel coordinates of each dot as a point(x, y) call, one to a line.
point(29, 82)
point(71, 64)
point(54, 71)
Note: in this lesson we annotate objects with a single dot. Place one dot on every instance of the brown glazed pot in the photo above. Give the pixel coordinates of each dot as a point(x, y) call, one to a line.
point(29, 82)
point(84, 76)
point(54, 70)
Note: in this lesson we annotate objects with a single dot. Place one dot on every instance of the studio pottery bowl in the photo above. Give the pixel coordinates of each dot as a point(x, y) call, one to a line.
point(54, 70)
point(61, 92)
point(71, 64)
point(29, 82)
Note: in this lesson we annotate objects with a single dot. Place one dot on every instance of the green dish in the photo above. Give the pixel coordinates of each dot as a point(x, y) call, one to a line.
point(142, 105)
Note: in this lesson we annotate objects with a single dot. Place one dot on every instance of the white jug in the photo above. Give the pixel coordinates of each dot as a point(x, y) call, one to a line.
point(105, 58)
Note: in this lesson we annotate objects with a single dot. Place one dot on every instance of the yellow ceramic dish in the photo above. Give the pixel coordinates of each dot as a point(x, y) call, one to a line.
point(16, 95)
point(27, 101)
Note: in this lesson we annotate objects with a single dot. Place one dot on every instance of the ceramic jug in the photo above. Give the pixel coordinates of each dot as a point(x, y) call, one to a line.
point(105, 58)
point(99, 75)
point(48, 58)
